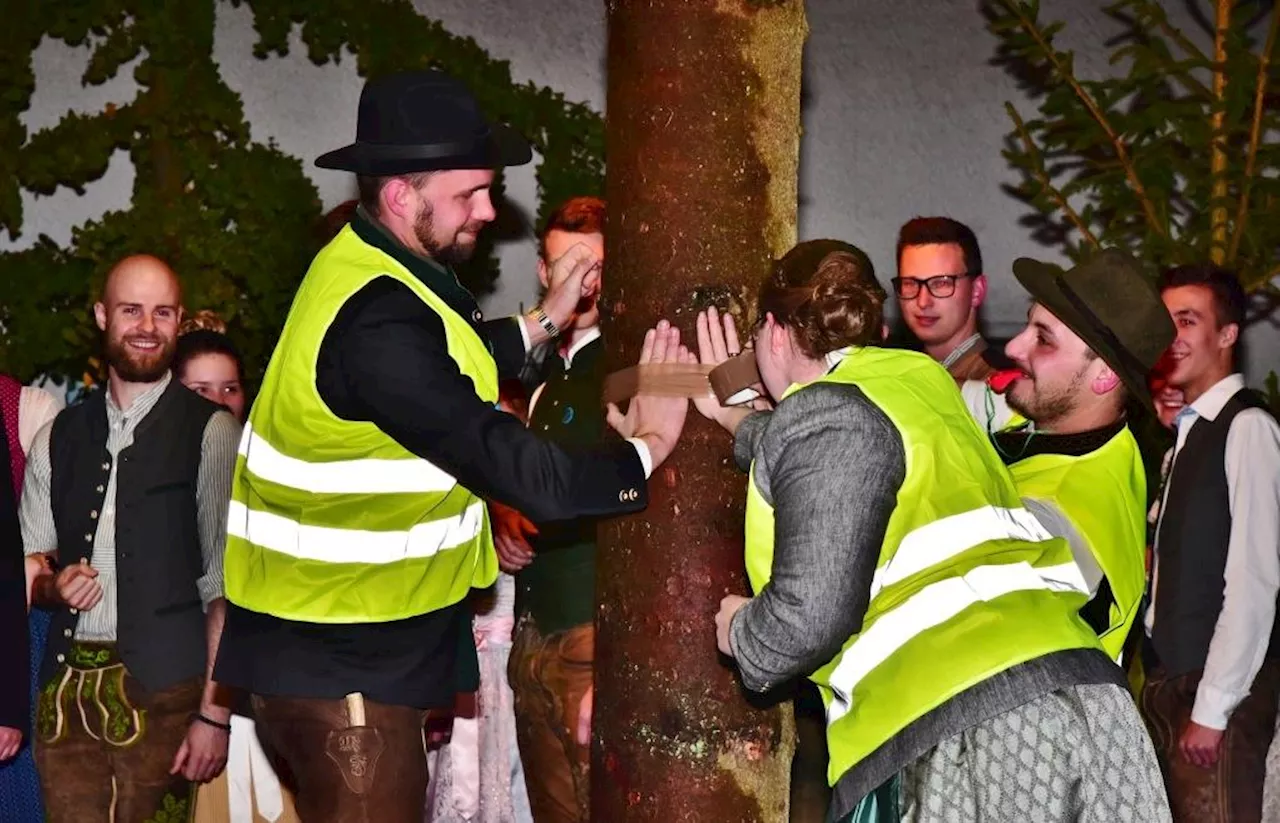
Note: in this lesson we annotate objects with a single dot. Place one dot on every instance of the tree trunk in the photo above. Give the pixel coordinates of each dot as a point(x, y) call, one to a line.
point(703, 136)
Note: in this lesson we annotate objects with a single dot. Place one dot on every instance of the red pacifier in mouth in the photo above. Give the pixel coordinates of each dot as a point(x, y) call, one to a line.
point(999, 382)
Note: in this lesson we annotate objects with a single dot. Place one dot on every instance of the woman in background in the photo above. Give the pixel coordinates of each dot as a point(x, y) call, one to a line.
point(208, 363)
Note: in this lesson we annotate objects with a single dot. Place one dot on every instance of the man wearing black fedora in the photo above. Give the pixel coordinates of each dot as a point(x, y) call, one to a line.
point(1093, 333)
point(358, 523)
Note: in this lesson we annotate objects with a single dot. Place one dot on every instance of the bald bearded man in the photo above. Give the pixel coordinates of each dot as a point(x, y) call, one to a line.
point(126, 494)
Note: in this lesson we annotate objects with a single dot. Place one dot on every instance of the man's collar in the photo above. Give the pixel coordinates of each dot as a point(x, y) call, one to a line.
point(1015, 445)
point(973, 343)
point(1209, 404)
point(589, 337)
point(440, 279)
point(143, 401)
point(375, 234)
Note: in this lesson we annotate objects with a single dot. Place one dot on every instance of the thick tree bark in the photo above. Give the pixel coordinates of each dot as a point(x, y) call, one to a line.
point(703, 136)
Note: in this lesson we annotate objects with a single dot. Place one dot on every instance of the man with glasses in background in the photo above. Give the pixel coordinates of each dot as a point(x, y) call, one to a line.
point(940, 286)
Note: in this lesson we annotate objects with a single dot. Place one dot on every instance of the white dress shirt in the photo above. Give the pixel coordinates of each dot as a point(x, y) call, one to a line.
point(642, 448)
point(1252, 576)
point(589, 336)
point(35, 408)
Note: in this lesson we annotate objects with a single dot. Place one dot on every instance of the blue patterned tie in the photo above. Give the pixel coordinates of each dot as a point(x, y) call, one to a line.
point(1185, 415)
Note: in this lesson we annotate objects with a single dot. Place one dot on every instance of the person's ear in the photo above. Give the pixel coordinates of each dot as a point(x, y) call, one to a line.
point(1228, 335)
point(1105, 380)
point(979, 291)
point(779, 339)
point(399, 198)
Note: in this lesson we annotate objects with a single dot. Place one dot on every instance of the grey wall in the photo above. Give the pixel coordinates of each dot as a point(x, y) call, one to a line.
point(903, 116)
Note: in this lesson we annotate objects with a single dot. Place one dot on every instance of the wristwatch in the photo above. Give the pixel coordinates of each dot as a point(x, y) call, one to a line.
point(540, 317)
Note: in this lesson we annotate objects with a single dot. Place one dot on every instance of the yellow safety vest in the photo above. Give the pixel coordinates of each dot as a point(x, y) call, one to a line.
point(333, 521)
point(967, 582)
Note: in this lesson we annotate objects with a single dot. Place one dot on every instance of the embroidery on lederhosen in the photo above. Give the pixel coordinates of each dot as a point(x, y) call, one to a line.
point(355, 751)
point(93, 694)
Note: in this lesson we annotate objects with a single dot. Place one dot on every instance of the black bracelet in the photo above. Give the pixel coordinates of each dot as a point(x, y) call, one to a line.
point(209, 721)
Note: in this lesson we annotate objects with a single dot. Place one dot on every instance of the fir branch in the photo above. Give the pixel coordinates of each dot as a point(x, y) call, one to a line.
point(1153, 11)
point(1042, 176)
point(1255, 137)
point(1217, 135)
point(1122, 153)
point(1176, 35)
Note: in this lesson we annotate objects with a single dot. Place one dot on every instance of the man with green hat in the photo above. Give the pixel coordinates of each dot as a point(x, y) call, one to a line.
point(1092, 335)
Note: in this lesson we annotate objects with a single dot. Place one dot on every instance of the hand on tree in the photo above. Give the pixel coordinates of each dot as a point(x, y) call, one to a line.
point(573, 277)
point(10, 743)
point(583, 732)
point(718, 342)
point(657, 421)
point(511, 533)
point(729, 606)
point(1200, 745)
point(77, 588)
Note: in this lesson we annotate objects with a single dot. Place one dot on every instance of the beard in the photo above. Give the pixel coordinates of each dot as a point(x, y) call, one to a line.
point(137, 367)
point(448, 254)
point(1046, 405)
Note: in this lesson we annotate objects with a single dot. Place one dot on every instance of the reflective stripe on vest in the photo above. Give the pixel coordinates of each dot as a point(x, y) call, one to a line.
point(967, 581)
point(330, 545)
point(363, 475)
point(1103, 494)
point(931, 606)
point(331, 520)
point(943, 539)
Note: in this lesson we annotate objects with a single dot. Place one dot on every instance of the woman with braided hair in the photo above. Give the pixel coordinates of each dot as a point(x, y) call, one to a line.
point(207, 362)
point(894, 565)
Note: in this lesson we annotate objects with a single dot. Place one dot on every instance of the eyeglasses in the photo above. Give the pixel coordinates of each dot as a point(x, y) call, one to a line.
point(942, 285)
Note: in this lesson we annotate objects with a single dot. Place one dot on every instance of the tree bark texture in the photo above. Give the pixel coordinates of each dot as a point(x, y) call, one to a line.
point(703, 139)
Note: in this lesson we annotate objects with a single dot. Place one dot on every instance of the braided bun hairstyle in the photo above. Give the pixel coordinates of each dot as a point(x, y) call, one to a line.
point(203, 319)
point(204, 332)
point(825, 292)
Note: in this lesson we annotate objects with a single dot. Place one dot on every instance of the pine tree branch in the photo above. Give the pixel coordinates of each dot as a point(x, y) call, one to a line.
point(1122, 152)
point(1152, 10)
point(1041, 175)
point(1255, 137)
point(1264, 285)
point(1217, 135)
point(1176, 35)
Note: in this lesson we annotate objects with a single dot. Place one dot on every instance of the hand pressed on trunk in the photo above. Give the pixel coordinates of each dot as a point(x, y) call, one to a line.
point(657, 421)
point(718, 342)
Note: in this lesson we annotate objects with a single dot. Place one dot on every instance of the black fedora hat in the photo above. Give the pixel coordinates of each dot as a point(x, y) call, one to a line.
point(1111, 305)
point(424, 121)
